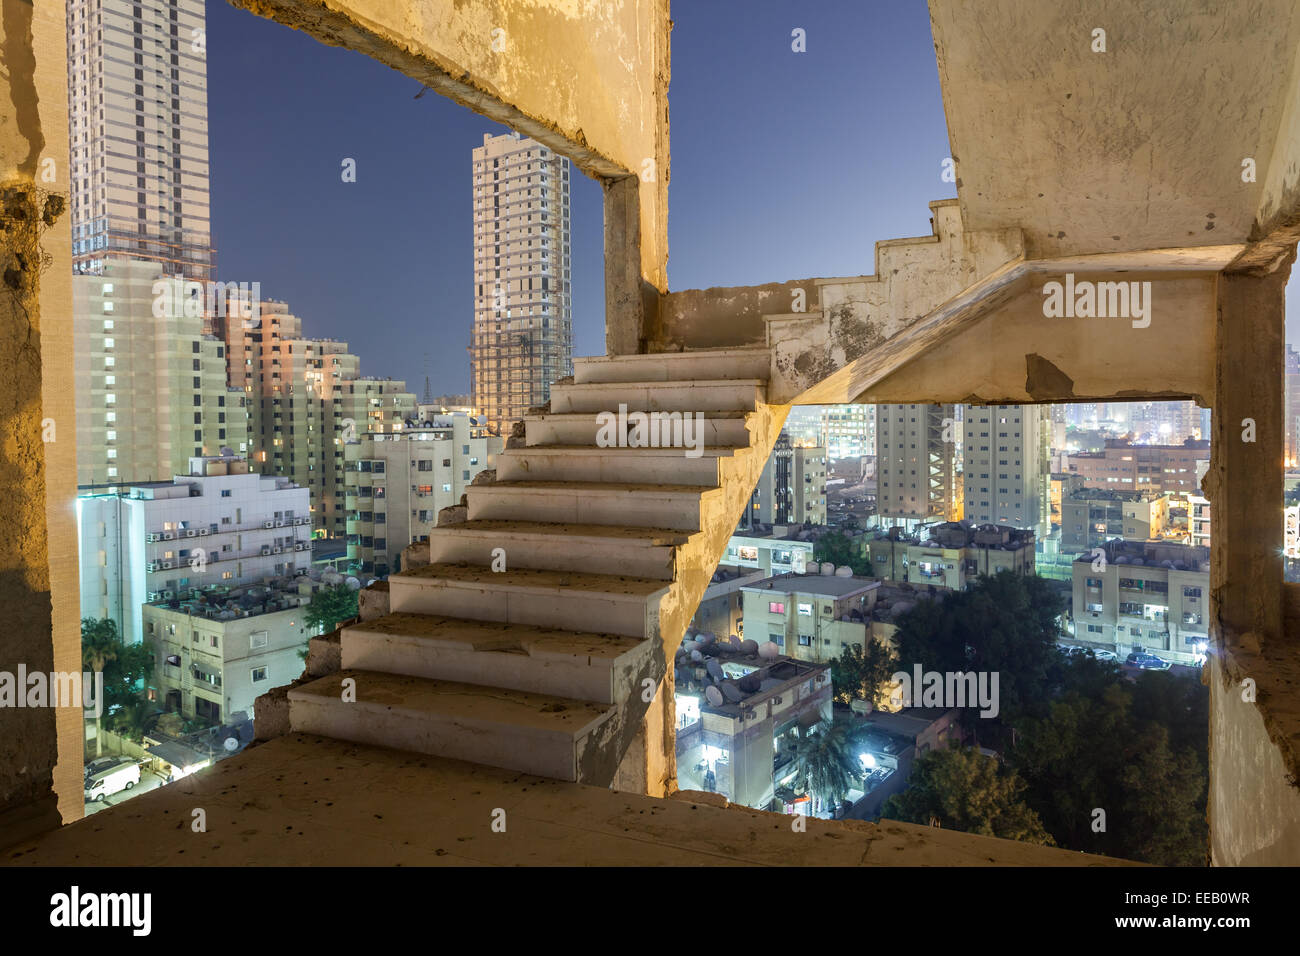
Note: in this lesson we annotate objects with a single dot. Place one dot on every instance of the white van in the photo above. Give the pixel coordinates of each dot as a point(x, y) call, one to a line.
point(115, 779)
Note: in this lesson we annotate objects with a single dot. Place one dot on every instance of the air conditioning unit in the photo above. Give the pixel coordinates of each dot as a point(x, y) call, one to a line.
point(303, 520)
point(168, 535)
point(266, 549)
point(279, 524)
point(166, 595)
point(300, 572)
point(204, 531)
point(268, 524)
point(154, 595)
point(300, 547)
point(191, 534)
point(278, 550)
point(167, 565)
point(151, 536)
point(152, 566)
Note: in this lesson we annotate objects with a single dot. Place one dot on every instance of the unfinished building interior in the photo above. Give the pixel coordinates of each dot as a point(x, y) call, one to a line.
point(1073, 167)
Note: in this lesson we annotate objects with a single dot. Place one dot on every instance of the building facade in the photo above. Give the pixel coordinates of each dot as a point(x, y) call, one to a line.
point(138, 125)
point(1128, 467)
point(1005, 467)
point(951, 555)
point(791, 489)
point(1092, 516)
point(398, 481)
point(218, 525)
point(848, 431)
point(522, 337)
point(216, 653)
point(916, 452)
point(151, 389)
point(1145, 596)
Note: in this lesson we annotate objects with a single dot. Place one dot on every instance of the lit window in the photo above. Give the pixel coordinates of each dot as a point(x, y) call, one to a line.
point(108, 342)
point(108, 306)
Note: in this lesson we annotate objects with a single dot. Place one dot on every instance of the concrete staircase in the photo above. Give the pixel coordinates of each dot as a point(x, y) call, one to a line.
point(537, 636)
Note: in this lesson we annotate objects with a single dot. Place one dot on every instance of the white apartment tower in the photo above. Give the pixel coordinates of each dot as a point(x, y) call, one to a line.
point(915, 455)
point(138, 124)
point(522, 339)
point(1006, 468)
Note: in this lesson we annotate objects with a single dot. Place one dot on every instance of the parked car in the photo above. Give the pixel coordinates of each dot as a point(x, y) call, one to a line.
point(113, 780)
point(1148, 662)
point(1105, 655)
point(100, 764)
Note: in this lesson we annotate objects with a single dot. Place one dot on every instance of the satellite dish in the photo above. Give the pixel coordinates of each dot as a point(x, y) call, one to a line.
point(354, 584)
point(769, 650)
point(714, 669)
point(706, 638)
point(227, 452)
point(231, 744)
point(696, 656)
point(714, 696)
point(749, 647)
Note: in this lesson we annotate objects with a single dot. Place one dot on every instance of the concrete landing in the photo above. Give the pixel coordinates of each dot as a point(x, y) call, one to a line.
point(312, 801)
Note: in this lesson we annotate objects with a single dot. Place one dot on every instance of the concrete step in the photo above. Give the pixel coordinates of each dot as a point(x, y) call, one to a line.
point(531, 733)
point(618, 465)
point(676, 507)
point(595, 667)
point(582, 428)
point(674, 366)
point(593, 549)
point(561, 599)
point(741, 394)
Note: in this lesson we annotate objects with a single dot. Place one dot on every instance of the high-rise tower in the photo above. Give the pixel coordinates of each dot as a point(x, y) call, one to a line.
point(522, 339)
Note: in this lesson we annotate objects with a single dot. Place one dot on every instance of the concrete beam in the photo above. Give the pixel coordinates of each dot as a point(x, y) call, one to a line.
point(514, 61)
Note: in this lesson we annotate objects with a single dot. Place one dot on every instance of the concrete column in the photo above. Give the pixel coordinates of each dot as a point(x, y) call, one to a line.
point(630, 301)
point(1245, 477)
point(40, 748)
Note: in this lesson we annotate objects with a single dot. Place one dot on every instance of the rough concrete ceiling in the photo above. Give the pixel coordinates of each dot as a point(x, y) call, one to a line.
point(1139, 147)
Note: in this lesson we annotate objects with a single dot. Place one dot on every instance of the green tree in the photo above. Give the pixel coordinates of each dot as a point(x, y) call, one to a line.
point(859, 675)
point(839, 549)
point(127, 670)
point(825, 757)
point(967, 790)
point(329, 606)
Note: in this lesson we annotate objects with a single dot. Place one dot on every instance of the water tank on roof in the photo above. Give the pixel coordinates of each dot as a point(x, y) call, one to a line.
point(827, 569)
point(813, 567)
point(749, 647)
point(769, 650)
point(844, 572)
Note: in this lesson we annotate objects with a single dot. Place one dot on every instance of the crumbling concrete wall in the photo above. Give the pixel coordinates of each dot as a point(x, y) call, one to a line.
point(40, 748)
point(588, 80)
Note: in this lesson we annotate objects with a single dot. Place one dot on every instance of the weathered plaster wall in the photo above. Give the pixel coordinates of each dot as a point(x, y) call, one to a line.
point(1254, 800)
point(1137, 147)
point(39, 748)
point(589, 80)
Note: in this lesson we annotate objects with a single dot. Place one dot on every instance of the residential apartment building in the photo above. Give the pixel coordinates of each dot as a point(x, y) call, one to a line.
point(777, 552)
point(1128, 467)
point(151, 388)
point(916, 453)
point(951, 555)
point(1290, 407)
point(791, 489)
point(522, 337)
point(214, 525)
point(398, 481)
point(307, 398)
point(848, 431)
point(1005, 466)
point(1092, 516)
point(1145, 596)
point(739, 742)
point(218, 650)
point(138, 130)
point(811, 617)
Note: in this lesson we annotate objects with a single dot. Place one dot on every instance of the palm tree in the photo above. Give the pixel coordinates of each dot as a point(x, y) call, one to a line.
point(825, 757)
point(99, 645)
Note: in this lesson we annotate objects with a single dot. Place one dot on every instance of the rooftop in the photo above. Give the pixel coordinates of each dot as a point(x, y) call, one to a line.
point(827, 585)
